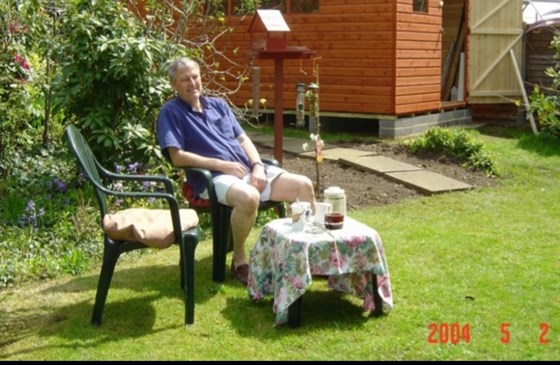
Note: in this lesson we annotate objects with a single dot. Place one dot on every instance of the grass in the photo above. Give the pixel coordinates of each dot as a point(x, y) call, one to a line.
point(486, 259)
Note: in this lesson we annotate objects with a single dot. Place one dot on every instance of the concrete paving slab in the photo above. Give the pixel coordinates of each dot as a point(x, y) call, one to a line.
point(337, 153)
point(260, 139)
point(428, 182)
point(410, 175)
point(289, 144)
point(379, 164)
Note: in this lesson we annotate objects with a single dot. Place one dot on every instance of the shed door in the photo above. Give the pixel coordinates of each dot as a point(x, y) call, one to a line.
point(495, 27)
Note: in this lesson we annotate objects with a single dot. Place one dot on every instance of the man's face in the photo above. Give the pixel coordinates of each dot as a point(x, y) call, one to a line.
point(187, 84)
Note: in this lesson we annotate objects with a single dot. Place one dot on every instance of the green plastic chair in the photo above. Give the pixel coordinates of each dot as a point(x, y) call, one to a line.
point(222, 241)
point(112, 249)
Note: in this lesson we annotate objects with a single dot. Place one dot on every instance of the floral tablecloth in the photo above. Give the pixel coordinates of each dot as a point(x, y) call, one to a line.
point(282, 263)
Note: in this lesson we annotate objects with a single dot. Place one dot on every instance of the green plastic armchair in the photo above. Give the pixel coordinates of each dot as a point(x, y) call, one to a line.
point(112, 249)
point(222, 242)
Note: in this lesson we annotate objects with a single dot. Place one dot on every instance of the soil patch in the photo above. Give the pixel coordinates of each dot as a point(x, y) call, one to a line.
point(365, 188)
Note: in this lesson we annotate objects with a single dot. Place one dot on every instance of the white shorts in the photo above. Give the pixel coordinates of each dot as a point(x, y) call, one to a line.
point(223, 182)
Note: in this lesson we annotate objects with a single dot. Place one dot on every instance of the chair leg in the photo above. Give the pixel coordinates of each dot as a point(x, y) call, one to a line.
point(187, 251)
point(221, 229)
point(110, 257)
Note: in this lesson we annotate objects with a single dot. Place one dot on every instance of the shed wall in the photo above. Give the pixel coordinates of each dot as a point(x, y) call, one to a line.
point(418, 58)
point(354, 45)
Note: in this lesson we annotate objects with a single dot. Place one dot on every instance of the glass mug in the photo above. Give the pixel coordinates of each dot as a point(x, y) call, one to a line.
point(334, 220)
point(300, 212)
point(321, 209)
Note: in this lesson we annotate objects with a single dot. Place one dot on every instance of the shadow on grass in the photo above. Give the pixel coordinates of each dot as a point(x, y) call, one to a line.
point(321, 309)
point(543, 146)
point(131, 317)
point(504, 131)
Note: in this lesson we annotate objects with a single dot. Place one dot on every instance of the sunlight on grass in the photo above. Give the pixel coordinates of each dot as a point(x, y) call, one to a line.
point(483, 258)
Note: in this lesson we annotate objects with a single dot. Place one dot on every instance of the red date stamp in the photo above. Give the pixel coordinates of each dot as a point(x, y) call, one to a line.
point(455, 333)
point(444, 333)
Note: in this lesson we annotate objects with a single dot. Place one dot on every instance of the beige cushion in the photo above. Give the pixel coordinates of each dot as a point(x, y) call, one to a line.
point(150, 226)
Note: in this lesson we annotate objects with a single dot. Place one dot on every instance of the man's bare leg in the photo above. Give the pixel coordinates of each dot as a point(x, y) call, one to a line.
point(291, 187)
point(244, 199)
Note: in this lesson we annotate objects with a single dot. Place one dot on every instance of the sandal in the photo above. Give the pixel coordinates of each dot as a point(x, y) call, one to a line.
point(240, 272)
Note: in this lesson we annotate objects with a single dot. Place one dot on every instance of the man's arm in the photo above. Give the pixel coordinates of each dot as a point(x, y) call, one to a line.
point(181, 158)
point(250, 149)
point(258, 176)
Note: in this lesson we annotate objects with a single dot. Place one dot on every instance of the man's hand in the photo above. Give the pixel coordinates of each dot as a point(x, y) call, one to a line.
point(234, 168)
point(258, 177)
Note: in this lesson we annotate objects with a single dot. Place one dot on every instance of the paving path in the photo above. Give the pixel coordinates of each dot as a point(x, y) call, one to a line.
point(424, 181)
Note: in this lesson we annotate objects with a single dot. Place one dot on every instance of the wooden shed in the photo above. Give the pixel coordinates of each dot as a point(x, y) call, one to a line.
point(401, 66)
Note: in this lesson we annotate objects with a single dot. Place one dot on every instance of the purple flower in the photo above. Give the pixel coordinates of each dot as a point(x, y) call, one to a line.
point(134, 167)
point(60, 185)
point(30, 207)
point(29, 216)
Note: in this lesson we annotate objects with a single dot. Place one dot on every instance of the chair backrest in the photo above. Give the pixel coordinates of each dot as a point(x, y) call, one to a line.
point(89, 164)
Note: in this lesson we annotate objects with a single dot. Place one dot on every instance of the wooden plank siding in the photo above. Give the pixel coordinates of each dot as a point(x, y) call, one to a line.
point(495, 27)
point(376, 57)
point(418, 58)
point(539, 57)
point(381, 59)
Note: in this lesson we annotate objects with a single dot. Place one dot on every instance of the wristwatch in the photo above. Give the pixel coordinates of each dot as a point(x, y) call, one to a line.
point(256, 163)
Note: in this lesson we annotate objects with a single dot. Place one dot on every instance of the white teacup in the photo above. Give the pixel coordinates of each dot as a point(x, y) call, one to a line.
point(321, 208)
point(300, 211)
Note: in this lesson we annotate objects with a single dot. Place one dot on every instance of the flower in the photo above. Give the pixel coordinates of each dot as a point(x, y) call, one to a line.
point(30, 217)
point(21, 61)
point(318, 143)
point(58, 185)
point(14, 27)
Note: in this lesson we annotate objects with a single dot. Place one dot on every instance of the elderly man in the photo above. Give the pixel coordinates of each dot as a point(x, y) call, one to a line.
point(201, 131)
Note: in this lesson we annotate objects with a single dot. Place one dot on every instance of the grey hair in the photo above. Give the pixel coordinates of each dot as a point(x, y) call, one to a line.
point(180, 63)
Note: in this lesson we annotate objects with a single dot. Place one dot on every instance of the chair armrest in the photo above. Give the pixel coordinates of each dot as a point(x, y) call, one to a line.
point(139, 178)
point(271, 161)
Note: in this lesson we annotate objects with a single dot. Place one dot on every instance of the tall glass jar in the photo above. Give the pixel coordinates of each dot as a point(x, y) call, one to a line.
point(337, 198)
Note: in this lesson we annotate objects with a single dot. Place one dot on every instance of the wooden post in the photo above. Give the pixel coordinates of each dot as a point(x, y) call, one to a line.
point(255, 91)
point(523, 93)
point(278, 108)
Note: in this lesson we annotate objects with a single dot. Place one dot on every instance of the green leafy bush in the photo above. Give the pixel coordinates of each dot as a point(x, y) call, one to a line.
point(94, 64)
point(112, 80)
point(48, 227)
point(456, 143)
point(20, 98)
point(547, 108)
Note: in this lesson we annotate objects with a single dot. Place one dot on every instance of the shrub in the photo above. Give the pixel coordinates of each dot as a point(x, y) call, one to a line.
point(20, 99)
point(547, 108)
point(456, 143)
point(110, 82)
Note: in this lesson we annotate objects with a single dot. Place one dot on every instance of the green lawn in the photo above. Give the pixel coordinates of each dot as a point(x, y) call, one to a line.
point(484, 261)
